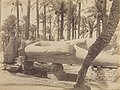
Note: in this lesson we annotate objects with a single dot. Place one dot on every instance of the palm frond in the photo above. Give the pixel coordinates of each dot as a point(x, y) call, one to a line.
point(92, 15)
point(8, 2)
point(85, 9)
point(91, 10)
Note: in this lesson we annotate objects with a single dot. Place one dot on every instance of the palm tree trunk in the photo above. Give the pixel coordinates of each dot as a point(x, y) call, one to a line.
point(35, 34)
point(37, 14)
point(50, 30)
point(69, 12)
point(18, 27)
point(62, 20)
point(58, 28)
point(73, 22)
point(104, 15)
point(91, 32)
point(44, 22)
point(79, 19)
point(101, 42)
point(28, 20)
point(73, 27)
point(98, 27)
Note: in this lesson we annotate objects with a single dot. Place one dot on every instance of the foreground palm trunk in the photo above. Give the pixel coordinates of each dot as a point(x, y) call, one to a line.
point(101, 42)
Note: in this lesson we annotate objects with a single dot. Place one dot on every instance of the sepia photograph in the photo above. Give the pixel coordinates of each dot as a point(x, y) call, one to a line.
point(59, 44)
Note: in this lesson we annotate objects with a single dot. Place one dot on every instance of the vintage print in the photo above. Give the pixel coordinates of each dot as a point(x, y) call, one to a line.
point(59, 44)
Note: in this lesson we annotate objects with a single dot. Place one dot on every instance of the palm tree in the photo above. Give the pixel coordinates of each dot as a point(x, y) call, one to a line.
point(32, 31)
point(62, 20)
point(79, 2)
point(60, 10)
point(37, 15)
point(96, 11)
point(100, 15)
point(91, 26)
point(73, 21)
point(101, 42)
point(23, 23)
point(44, 22)
point(83, 26)
point(56, 7)
point(28, 20)
point(79, 19)
point(38, 4)
point(69, 13)
point(49, 18)
point(23, 26)
point(16, 4)
point(44, 3)
point(42, 15)
point(98, 26)
point(58, 29)
point(104, 15)
point(75, 27)
point(58, 20)
point(8, 27)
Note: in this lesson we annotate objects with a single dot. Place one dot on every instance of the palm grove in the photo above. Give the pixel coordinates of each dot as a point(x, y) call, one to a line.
point(60, 16)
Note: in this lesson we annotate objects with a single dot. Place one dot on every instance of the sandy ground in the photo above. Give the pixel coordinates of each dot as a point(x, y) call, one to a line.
point(102, 80)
